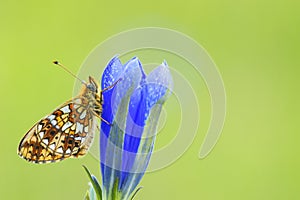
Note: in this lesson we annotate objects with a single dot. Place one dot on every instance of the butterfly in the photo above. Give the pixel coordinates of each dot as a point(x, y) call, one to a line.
point(69, 130)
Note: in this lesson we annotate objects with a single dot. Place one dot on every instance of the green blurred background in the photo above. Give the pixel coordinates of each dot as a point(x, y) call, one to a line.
point(255, 45)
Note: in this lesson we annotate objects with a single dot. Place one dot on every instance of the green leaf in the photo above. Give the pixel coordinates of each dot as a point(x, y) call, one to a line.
point(136, 191)
point(87, 196)
point(115, 193)
point(95, 183)
point(90, 194)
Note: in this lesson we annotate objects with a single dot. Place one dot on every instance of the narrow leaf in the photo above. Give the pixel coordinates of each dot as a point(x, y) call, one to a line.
point(115, 193)
point(136, 191)
point(95, 183)
point(87, 196)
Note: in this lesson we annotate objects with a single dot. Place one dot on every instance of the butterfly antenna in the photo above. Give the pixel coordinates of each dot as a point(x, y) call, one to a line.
point(67, 70)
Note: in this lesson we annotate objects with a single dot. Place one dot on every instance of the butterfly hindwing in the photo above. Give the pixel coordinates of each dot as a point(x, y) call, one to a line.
point(67, 132)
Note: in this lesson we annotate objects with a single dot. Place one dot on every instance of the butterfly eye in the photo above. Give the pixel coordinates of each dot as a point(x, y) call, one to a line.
point(91, 87)
point(93, 84)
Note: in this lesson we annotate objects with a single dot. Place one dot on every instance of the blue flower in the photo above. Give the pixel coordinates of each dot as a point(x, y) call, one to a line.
point(132, 107)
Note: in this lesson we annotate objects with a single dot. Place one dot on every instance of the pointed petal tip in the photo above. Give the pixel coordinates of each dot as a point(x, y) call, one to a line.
point(113, 60)
point(135, 63)
point(115, 56)
point(133, 59)
point(164, 63)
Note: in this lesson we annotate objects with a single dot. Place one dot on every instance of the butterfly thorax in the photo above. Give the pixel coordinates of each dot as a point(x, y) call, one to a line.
point(92, 99)
point(92, 96)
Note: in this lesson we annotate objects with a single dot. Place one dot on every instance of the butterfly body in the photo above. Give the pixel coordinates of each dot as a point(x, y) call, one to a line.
point(68, 131)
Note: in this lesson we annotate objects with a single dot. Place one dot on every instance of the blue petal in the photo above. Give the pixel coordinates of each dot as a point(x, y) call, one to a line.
point(152, 91)
point(110, 75)
point(111, 139)
point(142, 100)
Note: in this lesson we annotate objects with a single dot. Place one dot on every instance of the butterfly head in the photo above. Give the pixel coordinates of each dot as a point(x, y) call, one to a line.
point(93, 85)
point(92, 92)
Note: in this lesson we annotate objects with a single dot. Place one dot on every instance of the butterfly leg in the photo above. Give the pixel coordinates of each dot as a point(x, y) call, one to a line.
point(105, 121)
point(111, 86)
point(101, 118)
point(105, 89)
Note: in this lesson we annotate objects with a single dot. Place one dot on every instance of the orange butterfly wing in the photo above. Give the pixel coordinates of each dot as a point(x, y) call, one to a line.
point(67, 132)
